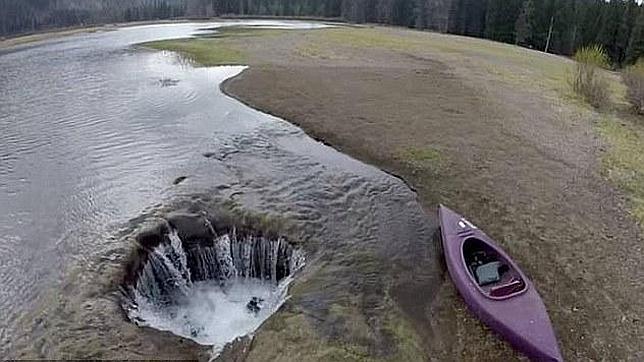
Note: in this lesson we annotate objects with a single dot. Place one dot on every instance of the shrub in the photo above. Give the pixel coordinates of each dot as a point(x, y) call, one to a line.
point(634, 79)
point(587, 79)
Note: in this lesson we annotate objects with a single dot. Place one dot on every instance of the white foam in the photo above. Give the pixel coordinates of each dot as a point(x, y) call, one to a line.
point(215, 315)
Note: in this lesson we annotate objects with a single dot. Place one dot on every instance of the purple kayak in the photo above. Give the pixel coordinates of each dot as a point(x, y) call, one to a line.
point(495, 289)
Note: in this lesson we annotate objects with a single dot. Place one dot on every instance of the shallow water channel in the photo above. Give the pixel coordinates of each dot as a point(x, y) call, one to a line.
point(99, 139)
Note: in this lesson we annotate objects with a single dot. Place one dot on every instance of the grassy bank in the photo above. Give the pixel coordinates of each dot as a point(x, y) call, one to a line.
point(224, 47)
point(202, 52)
point(624, 160)
point(545, 73)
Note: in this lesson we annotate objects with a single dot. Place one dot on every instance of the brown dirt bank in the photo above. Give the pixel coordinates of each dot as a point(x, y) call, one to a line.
point(483, 128)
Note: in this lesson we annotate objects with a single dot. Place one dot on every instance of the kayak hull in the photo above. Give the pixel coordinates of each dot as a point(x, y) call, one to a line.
point(520, 316)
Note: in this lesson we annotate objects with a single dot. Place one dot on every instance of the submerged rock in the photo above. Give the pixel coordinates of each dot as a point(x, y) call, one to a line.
point(179, 180)
point(192, 228)
point(255, 305)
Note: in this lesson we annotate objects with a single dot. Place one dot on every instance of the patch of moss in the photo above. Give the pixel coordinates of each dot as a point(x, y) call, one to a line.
point(624, 160)
point(354, 322)
point(290, 337)
point(422, 158)
point(408, 343)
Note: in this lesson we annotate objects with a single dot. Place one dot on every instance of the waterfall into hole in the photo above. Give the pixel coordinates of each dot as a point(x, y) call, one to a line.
point(212, 292)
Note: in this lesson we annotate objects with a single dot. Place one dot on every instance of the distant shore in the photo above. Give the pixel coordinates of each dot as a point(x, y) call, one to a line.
point(47, 34)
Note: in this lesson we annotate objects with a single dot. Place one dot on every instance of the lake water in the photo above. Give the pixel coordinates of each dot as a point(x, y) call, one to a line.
point(95, 136)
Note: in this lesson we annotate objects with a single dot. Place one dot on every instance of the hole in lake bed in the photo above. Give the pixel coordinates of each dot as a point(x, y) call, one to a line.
point(207, 283)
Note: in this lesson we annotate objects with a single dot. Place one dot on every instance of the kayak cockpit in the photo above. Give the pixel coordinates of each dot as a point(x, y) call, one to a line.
point(492, 273)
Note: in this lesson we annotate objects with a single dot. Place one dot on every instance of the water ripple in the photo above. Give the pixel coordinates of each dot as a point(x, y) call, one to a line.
point(90, 140)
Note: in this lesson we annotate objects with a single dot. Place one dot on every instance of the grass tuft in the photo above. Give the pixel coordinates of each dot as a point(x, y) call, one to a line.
point(587, 78)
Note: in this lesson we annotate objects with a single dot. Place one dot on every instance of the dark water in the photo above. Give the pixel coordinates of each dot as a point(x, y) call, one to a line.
point(95, 133)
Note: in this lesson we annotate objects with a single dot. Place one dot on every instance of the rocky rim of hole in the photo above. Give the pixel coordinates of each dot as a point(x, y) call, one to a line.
point(197, 227)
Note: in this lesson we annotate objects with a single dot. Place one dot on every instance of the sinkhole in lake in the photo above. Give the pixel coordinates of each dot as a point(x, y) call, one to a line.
point(205, 281)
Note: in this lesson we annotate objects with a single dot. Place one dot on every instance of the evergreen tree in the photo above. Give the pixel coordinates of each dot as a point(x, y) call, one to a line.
point(562, 37)
point(475, 17)
point(635, 47)
point(500, 19)
point(578, 12)
point(610, 23)
point(493, 9)
point(623, 36)
point(420, 14)
point(523, 25)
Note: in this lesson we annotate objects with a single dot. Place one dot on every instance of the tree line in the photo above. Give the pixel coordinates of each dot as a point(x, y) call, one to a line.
point(558, 26)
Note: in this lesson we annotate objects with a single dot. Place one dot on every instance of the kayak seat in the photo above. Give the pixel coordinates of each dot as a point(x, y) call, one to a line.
point(514, 286)
point(488, 273)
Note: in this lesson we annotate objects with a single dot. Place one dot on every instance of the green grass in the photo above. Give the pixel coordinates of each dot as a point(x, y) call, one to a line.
point(204, 52)
point(425, 158)
point(510, 63)
point(221, 48)
point(623, 163)
point(408, 343)
point(587, 78)
point(288, 337)
point(617, 90)
point(624, 160)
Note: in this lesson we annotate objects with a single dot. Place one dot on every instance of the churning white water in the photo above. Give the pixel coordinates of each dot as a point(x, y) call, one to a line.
point(213, 314)
point(215, 293)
